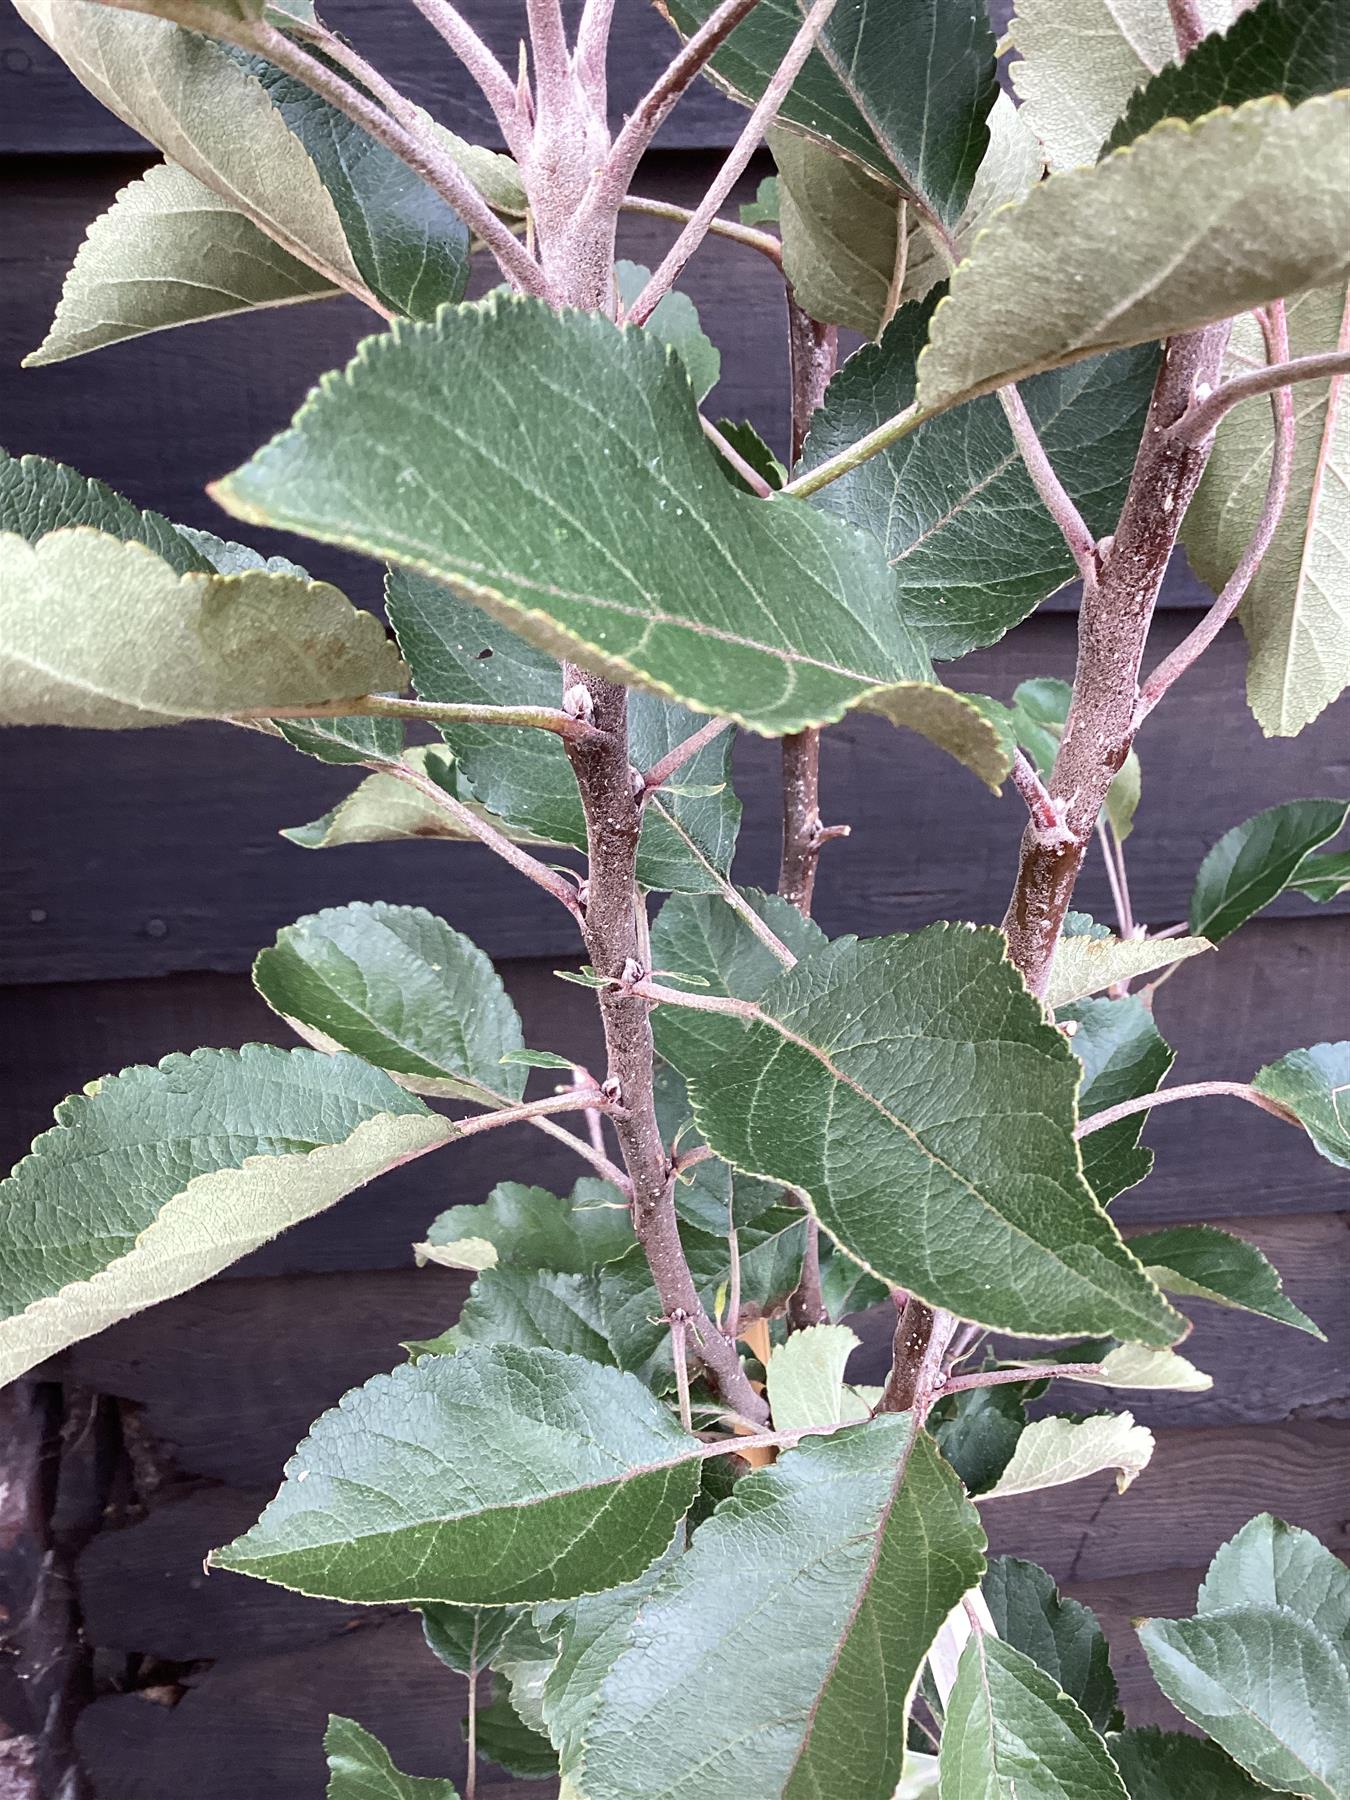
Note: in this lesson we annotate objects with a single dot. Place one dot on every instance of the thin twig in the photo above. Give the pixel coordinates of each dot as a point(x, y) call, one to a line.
point(679, 1327)
point(660, 772)
point(960, 1384)
point(733, 1321)
point(478, 827)
point(492, 79)
point(731, 455)
point(763, 241)
point(880, 438)
point(595, 1131)
point(762, 115)
point(471, 1722)
point(1197, 641)
point(422, 154)
point(603, 1167)
point(1195, 1090)
point(434, 712)
point(1024, 776)
point(1054, 496)
point(650, 113)
point(590, 57)
point(726, 891)
point(1115, 875)
point(1188, 23)
point(552, 64)
point(1201, 419)
point(577, 1100)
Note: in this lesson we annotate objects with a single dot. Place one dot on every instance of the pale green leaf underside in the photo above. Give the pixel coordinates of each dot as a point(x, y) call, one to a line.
point(157, 1178)
point(1010, 1733)
point(829, 1574)
point(103, 634)
point(1204, 1263)
point(1087, 965)
point(472, 450)
point(1296, 613)
point(360, 1768)
point(383, 809)
point(1315, 1085)
point(169, 252)
point(187, 94)
point(1159, 238)
point(805, 1379)
point(914, 1092)
point(1053, 1451)
point(398, 987)
point(493, 1477)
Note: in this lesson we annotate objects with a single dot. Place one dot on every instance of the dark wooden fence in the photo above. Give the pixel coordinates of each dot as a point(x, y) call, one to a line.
point(141, 873)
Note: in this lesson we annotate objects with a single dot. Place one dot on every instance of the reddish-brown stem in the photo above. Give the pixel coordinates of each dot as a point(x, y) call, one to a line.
point(474, 825)
point(591, 55)
point(1034, 791)
point(747, 143)
point(651, 112)
point(1202, 418)
point(494, 83)
point(1196, 642)
point(922, 1335)
point(434, 712)
point(1054, 495)
point(685, 751)
point(1195, 1090)
point(1115, 877)
point(613, 939)
point(1188, 23)
point(960, 1384)
point(730, 454)
point(763, 241)
point(1113, 624)
point(587, 1151)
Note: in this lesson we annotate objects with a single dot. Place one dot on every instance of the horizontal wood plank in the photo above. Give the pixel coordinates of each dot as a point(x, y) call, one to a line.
point(45, 111)
point(152, 852)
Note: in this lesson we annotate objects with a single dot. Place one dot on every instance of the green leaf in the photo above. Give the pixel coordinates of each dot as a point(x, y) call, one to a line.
point(107, 635)
point(1053, 1451)
point(352, 740)
point(1084, 965)
point(410, 246)
point(805, 1379)
point(675, 322)
point(38, 496)
point(465, 1638)
point(539, 1059)
point(385, 809)
point(1322, 878)
point(1044, 285)
point(704, 940)
point(902, 88)
point(1124, 1057)
point(1297, 48)
point(529, 1228)
point(977, 1431)
point(360, 1768)
point(1080, 60)
point(398, 987)
point(777, 616)
point(843, 227)
point(1315, 1085)
point(1270, 1563)
point(154, 1179)
point(496, 176)
point(1061, 1636)
point(1204, 1263)
point(1172, 1765)
point(505, 1739)
point(763, 209)
point(1255, 862)
point(1136, 1366)
point(169, 252)
point(523, 776)
point(1040, 708)
point(1294, 613)
point(829, 1573)
point(744, 439)
point(489, 1478)
point(1011, 1734)
point(190, 97)
point(1267, 1685)
point(972, 546)
point(930, 1079)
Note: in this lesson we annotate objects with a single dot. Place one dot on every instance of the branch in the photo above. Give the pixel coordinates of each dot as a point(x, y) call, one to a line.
point(1201, 419)
point(588, 1152)
point(1045, 815)
point(655, 106)
point(1054, 496)
point(478, 827)
point(1114, 858)
point(764, 112)
point(420, 152)
point(731, 455)
point(731, 895)
point(1113, 624)
point(1188, 23)
point(660, 772)
point(921, 1338)
point(591, 55)
point(763, 241)
point(552, 64)
point(959, 1384)
point(435, 712)
point(494, 83)
point(880, 438)
point(1196, 1090)
point(1196, 642)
